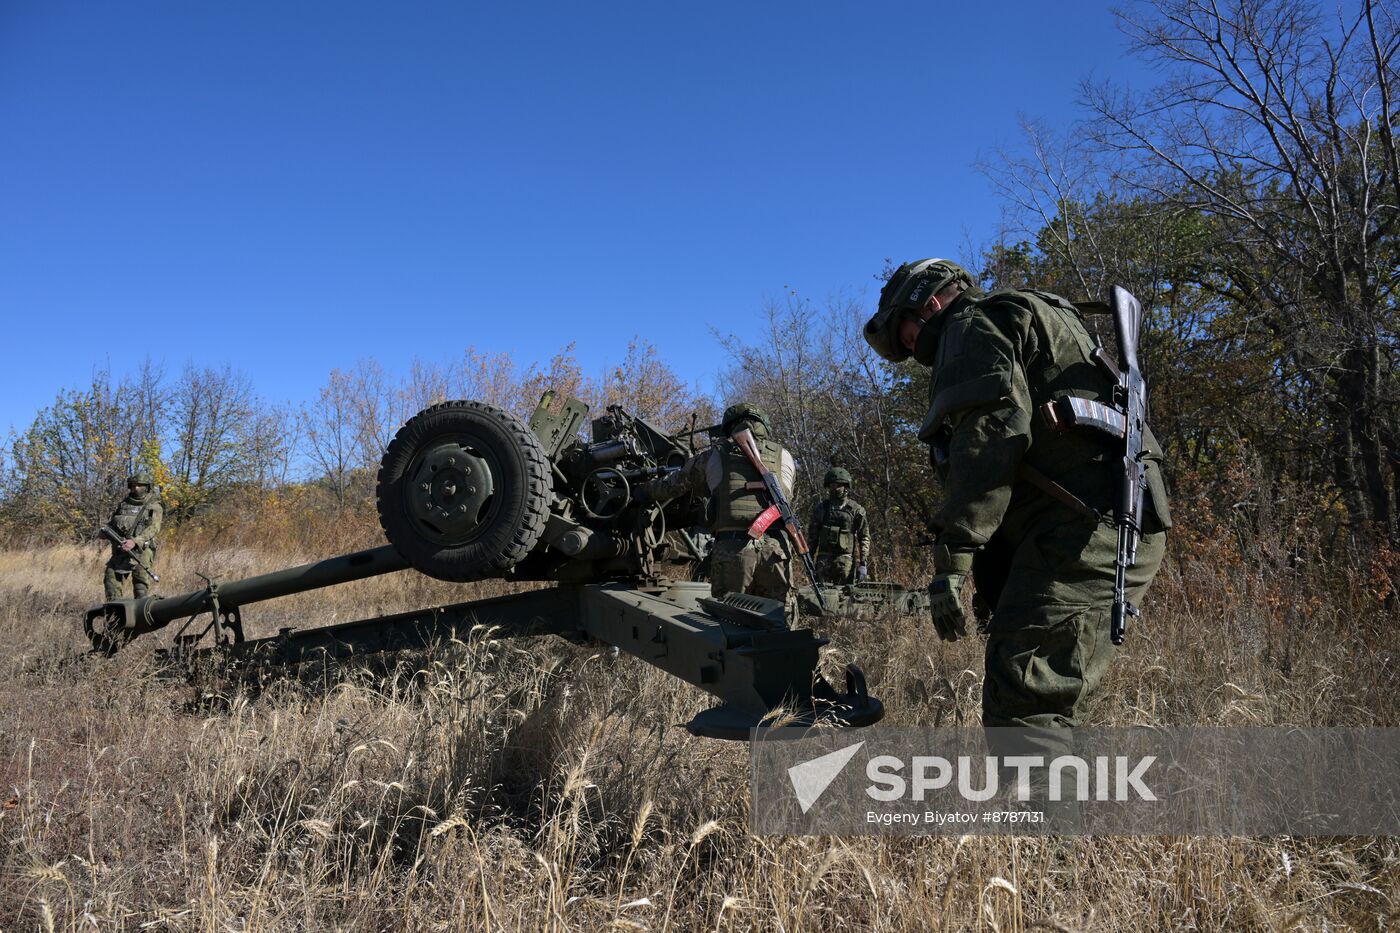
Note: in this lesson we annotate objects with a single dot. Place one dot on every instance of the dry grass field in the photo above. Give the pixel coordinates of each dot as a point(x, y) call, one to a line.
point(536, 785)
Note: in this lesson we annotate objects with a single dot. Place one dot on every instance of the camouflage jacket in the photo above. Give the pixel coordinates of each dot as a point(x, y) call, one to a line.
point(138, 518)
point(839, 528)
point(996, 359)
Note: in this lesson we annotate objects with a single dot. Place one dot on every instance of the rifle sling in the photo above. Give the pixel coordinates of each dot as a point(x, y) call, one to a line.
point(1057, 492)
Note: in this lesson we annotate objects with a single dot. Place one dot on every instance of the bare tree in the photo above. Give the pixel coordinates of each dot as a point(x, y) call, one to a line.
point(377, 412)
point(330, 430)
point(272, 439)
point(648, 387)
point(426, 384)
point(71, 464)
point(562, 374)
point(215, 445)
point(834, 403)
point(1063, 196)
point(493, 378)
point(1280, 124)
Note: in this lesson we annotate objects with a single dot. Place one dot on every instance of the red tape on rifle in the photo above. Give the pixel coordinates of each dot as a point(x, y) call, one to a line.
point(765, 518)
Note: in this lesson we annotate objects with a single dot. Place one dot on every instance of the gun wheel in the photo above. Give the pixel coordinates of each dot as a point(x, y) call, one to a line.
point(463, 491)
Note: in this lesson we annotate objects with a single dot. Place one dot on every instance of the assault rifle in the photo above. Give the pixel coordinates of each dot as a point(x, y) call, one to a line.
point(117, 538)
point(1126, 420)
point(779, 508)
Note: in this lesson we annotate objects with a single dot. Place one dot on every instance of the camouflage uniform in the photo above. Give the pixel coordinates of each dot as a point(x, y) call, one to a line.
point(839, 531)
point(1042, 564)
point(738, 563)
point(137, 517)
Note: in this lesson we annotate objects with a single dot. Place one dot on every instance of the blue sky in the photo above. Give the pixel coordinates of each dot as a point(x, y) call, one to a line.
point(290, 187)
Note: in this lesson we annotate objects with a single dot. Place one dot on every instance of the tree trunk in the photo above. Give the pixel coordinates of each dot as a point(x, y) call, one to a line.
point(1344, 461)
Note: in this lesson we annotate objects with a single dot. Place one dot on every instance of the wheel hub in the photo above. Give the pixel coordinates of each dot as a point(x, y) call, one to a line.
point(451, 488)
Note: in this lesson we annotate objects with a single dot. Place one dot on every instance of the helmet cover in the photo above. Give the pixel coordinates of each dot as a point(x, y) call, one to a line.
point(907, 291)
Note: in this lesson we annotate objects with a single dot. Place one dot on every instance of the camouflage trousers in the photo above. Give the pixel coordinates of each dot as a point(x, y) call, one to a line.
point(835, 568)
point(1048, 644)
point(119, 567)
point(740, 564)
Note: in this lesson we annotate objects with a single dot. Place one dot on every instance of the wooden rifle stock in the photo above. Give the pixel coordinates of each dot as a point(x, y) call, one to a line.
point(778, 499)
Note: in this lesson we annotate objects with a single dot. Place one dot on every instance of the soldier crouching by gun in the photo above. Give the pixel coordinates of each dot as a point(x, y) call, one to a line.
point(1038, 515)
point(753, 549)
point(132, 532)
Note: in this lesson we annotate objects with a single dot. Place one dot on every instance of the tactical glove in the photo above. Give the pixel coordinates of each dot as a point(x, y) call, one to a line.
point(946, 606)
point(945, 603)
point(862, 574)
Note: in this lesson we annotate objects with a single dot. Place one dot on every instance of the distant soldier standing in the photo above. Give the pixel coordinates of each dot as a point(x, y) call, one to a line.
point(740, 563)
point(137, 519)
point(840, 532)
point(1027, 510)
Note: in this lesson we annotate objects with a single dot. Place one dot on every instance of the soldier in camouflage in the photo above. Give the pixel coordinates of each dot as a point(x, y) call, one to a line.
point(739, 563)
point(1027, 511)
point(839, 531)
point(137, 519)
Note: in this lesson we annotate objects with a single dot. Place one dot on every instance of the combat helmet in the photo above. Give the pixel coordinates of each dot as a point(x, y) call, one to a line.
point(837, 475)
point(908, 290)
point(140, 478)
point(742, 411)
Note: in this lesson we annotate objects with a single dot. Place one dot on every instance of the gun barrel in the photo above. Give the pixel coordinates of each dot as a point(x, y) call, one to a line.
point(314, 576)
point(1118, 624)
point(135, 617)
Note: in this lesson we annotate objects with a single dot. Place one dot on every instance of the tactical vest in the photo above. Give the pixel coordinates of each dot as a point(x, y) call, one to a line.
point(737, 495)
point(1064, 366)
point(132, 516)
point(1083, 462)
point(836, 527)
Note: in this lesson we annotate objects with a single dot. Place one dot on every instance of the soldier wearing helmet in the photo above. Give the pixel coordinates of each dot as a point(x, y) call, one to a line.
point(840, 532)
point(740, 562)
point(137, 519)
point(1027, 510)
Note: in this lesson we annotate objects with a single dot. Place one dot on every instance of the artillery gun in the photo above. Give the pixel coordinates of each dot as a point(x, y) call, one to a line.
point(466, 492)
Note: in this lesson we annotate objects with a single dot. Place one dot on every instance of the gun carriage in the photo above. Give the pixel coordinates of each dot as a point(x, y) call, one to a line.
point(469, 492)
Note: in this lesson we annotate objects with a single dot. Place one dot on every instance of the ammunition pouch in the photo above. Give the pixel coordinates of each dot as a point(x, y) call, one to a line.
point(835, 539)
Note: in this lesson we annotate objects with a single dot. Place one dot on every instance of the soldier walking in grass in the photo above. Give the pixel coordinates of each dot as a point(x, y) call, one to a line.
point(137, 521)
point(740, 562)
point(840, 532)
point(1027, 510)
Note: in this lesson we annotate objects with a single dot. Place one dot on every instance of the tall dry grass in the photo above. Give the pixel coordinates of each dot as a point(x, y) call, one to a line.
point(537, 785)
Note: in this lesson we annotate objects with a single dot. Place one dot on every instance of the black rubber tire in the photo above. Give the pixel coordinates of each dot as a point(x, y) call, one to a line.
point(519, 507)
